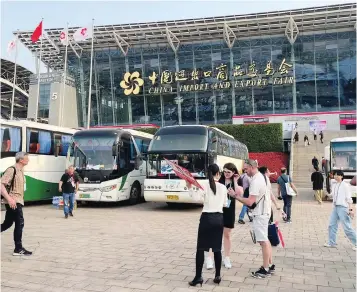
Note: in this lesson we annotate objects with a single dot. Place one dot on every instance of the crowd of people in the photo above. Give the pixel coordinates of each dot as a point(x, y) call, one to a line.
point(306, 138)
point(220, 193)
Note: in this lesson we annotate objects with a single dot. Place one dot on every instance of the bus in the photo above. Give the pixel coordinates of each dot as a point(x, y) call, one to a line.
point(110, 164)
point(341, 154)
point(47, 147)
point(193, 147)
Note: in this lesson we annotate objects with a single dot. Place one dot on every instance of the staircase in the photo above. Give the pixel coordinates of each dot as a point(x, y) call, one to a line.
point(302, 156)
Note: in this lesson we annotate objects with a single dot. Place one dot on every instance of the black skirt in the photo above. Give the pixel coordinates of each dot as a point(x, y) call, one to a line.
point(229, 214)
point(210, 232)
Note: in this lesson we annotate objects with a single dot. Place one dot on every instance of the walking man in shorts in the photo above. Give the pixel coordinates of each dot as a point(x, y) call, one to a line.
point(259, 195)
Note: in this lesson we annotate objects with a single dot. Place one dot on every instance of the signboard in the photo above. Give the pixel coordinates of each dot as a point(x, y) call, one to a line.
point(166, 168)
point(347, 121)
point(218, 78)
point(317, 125)
point(288, 126)
point(262, 120)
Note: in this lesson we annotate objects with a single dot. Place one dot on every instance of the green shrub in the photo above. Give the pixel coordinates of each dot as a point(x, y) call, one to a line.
point(258, 138)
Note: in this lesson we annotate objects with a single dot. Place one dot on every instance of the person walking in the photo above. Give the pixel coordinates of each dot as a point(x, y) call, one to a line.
point(229, 178)
point(318, 184)
point(68, 185)
point(306, 140)
point(259, 199)
point(315, 162)
point(342, 211)
point(321, 137)
point(210, 229)
point(13, 187)
point(282, 192)
point(315, 134)
point(296, 137)
point(323, 164)
point(245, 179)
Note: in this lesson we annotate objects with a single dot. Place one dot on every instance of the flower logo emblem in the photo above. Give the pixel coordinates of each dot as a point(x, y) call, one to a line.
point(131, 83)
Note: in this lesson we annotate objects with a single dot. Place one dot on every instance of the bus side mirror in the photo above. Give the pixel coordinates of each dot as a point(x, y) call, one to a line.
point(114, 150)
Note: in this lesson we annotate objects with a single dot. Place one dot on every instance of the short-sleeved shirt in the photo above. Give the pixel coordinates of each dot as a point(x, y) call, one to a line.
point(69, 183)
point(258, 187)
point(282, 180)
point(17, 193)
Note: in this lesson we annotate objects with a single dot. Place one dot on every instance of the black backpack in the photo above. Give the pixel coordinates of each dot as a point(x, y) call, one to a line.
point(11, 186)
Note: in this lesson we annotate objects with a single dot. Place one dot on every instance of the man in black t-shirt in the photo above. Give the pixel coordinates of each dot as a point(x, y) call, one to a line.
point(68, 185)
point(317, 184)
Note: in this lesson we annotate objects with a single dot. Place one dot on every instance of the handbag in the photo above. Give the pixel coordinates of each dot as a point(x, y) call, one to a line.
point(273, 235)
point(289, 189)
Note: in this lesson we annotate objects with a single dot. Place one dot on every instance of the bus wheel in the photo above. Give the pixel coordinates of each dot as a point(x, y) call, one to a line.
point(135, 194)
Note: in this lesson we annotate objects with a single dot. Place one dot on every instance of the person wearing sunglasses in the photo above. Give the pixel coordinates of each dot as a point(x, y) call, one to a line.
point(342, 211)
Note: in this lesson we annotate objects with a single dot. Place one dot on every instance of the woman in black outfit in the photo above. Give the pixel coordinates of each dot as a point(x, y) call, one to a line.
point(230, 180)
point(210, 230)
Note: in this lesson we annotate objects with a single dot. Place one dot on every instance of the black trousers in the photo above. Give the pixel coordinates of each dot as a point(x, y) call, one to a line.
point(16, 216)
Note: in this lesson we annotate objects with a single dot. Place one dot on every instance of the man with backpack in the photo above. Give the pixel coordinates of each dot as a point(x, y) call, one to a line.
point(283, 193)
point(13, 186)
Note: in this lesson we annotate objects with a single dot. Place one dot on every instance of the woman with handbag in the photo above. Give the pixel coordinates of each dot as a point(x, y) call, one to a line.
point(210, 230)
point(283, 192)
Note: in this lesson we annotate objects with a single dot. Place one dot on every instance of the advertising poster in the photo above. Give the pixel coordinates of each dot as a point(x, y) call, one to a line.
point(318, 125)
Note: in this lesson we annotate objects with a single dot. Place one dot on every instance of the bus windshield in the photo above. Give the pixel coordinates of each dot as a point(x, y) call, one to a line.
point(180, 140)
point(194, 163)
point(343, 155)
point(94, 152)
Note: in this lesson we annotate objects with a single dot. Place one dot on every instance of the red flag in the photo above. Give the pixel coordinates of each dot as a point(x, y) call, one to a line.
point(37, 33)
point(183, 173)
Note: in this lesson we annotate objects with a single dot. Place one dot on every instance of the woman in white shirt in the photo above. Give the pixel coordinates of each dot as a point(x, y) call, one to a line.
point(342, 211)
point(210, 230)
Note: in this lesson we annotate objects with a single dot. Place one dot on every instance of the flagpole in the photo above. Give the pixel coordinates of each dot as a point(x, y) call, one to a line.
point(90, 78)
point(14, 82)
point(64, 78)
point(38, 76)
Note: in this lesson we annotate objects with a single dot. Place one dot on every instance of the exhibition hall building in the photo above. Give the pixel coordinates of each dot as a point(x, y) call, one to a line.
point(215, 70)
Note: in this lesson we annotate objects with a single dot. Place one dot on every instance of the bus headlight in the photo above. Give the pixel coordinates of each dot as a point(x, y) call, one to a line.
point(108, 188)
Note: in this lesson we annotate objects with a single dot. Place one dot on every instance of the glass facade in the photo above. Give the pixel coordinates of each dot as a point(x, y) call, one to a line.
point(44, 100)
point(265, 75)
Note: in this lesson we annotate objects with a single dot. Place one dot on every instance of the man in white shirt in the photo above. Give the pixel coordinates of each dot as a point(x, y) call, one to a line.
point(259, 195)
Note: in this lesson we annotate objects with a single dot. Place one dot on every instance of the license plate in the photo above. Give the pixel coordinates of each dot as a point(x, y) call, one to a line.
point(172, 197)
point(84, 196)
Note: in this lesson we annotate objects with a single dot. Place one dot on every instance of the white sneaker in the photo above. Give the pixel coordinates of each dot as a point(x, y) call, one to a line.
point(227, 263)
point(209, 263)
point(329, 245)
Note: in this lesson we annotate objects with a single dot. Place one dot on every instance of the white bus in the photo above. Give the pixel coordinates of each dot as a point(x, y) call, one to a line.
point(341, 154)
point(47, 147)
point(110, 164)
point(193, 147)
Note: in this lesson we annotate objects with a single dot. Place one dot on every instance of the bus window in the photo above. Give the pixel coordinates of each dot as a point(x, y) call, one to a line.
point(10, 139)
point(63, 141)
point(139, 143)
point(39, 142)
point(146, 143)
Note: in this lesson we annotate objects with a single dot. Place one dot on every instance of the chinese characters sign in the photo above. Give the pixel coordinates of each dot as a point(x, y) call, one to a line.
point(218, 78)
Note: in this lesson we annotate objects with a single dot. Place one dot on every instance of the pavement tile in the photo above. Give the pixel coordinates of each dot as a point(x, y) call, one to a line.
point(143, 254)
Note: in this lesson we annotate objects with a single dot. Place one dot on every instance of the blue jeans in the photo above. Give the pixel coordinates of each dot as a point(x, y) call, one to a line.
point(287, 206)
point(243, 212)
point(68, 200)
point(340, 213)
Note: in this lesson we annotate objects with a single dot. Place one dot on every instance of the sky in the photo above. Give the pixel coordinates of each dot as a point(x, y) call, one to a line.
point(25, 15)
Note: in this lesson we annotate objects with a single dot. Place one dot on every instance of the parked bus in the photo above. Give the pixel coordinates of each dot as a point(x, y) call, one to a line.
point(193, 147)
point(47, 147)
point(110, 164)
point(341, 154)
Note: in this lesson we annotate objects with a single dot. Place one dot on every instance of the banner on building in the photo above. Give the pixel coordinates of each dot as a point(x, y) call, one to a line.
point(317, 125)
point(263, 120)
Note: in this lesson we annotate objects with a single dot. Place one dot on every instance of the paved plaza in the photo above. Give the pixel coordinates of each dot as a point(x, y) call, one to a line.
point(149, 247)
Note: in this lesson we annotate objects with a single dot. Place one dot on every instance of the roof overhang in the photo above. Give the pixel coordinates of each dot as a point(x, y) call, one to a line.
point(325, 18)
